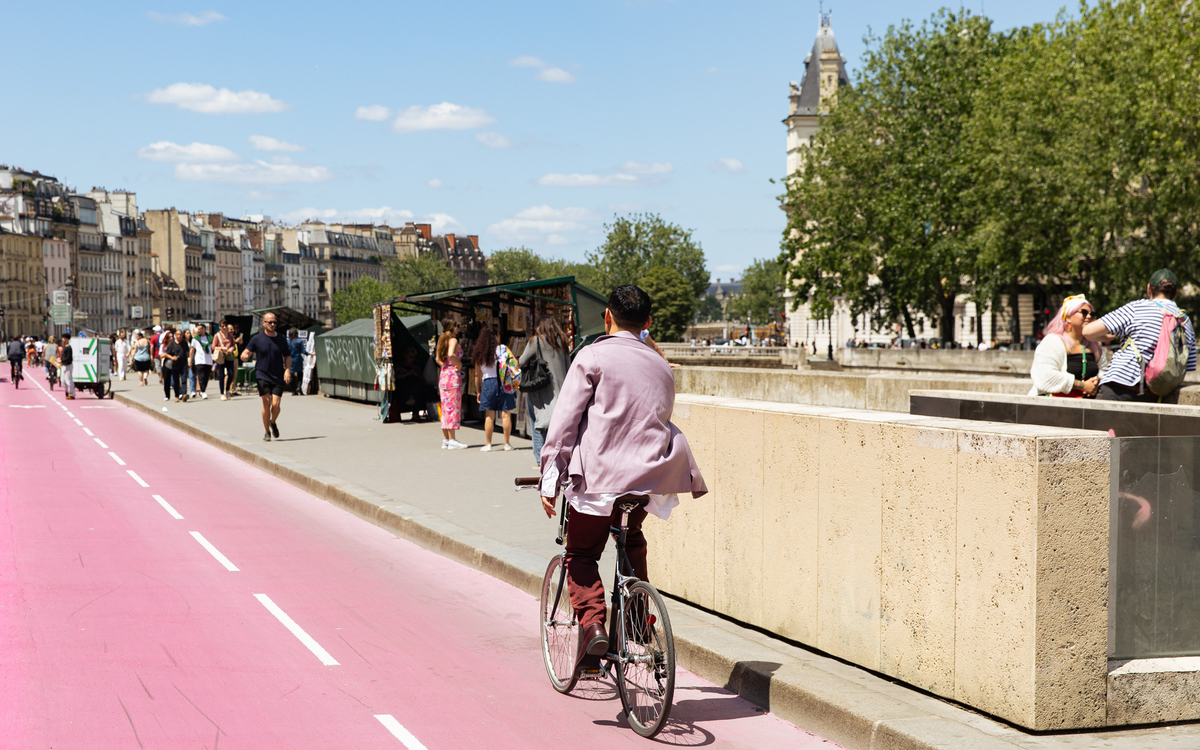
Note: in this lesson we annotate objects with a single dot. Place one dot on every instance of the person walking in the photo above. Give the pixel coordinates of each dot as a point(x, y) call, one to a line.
point(1139, 324)
point(296, 352)
point(156, 351)
point(141, 358)
point(550, 345)
point(225, 355)
point(448, 355)
point(1064, 364)
point(174, 362)
point(189, 378)
point(66, 357)
point(239, 341)
point(121, 353)
point(487, 355)
point(272, 368)
point(201, 360)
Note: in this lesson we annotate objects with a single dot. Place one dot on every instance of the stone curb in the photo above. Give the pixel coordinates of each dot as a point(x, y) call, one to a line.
point(840, 702)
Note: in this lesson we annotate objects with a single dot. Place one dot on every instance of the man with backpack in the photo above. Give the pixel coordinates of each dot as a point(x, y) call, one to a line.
point(1158, 349)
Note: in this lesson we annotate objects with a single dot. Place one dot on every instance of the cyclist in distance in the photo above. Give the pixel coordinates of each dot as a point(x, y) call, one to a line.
point(16, 353)
point(611, 437)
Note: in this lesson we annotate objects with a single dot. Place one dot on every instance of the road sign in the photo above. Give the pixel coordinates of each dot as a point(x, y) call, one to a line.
point(61, 297)
point(135, 312)
point(60, 314)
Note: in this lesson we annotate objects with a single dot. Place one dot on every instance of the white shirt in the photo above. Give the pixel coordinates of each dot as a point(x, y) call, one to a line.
point(122, 348)
point(602, 505)
point(202, 357)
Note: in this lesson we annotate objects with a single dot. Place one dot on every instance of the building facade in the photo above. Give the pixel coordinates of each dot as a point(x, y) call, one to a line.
point(22, 295)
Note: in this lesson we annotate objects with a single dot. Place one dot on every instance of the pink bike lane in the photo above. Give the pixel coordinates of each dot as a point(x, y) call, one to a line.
point(157, 592)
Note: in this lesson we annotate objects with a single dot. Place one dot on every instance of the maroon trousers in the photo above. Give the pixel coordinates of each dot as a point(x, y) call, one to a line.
point(586, 537)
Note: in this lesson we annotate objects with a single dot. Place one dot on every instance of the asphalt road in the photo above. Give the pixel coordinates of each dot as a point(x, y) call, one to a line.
point(158, 593)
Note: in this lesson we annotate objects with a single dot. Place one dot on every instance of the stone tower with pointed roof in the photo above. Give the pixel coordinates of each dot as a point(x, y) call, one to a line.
point(824, 74)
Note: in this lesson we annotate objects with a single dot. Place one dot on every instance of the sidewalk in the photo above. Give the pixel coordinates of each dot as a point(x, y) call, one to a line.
point(462, 505)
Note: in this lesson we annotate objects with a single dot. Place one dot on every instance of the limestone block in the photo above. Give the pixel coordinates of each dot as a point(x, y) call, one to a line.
point(790, 499)
point(995, 589)
point(739, 515)
point(849, 539)
point(681, 549)
point(1072, 582)
point(920, 470)
point(1148, 691)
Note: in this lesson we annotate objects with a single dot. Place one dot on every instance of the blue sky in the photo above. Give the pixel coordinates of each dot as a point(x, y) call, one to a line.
point(526, 123)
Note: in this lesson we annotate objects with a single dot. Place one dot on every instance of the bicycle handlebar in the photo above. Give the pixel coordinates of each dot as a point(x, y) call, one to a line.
point(527, 481)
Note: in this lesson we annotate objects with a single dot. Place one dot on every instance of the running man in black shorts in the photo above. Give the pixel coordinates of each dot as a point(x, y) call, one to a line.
point(272, 370)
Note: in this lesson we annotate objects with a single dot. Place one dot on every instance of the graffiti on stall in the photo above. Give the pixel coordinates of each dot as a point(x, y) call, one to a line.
point(349, 360)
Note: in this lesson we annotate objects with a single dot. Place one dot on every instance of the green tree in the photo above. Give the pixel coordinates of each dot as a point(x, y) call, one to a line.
point(425, 273)
point(761, 299)
point(674, 302)
point(882, 212)
point(710, 310)
point(513, 264)
point(586, 274)
point(634, 244)
point(359, 298)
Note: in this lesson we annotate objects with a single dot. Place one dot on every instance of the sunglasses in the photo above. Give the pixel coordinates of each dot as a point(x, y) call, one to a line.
point(268, 322)
point(1087, 314)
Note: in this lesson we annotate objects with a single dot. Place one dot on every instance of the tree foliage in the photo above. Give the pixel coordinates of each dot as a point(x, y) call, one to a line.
point(425, 273)
point(966, 161)
point(636, 243)
point(674, 302)
point(710, 310)
point(359, 298)
point(761, 299)
point(515, 264)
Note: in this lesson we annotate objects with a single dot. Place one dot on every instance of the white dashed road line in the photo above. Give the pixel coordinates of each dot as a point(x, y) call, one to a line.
point(399, 732)
point(297, 631)
point(136, 478)
point(100, 443)
point(89, 432)
point(79, 423)
point(174, 513)
point(116, 458)
point(213, 551)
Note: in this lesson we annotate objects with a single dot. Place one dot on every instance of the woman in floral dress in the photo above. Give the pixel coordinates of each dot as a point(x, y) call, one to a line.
point(450, 383)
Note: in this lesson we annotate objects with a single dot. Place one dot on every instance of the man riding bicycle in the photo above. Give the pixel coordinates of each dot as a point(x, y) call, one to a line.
point(611, 437)
point(16, 354)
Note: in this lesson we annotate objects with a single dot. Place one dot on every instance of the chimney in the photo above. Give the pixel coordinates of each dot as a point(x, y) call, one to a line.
point(474, 238)
point(450, 243)
point(426, 230)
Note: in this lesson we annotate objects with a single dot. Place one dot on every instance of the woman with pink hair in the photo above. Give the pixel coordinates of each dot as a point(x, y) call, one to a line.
point(1065, 364)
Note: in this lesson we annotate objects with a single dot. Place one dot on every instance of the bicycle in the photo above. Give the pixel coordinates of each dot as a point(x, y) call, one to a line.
point(51, 373)
point(16, 373)
point(641, 653)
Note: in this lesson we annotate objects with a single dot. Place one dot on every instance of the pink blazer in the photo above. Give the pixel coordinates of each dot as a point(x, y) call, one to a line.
point(611, 431)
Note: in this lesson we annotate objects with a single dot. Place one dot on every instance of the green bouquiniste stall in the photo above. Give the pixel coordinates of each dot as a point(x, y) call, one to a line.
point(346, 359)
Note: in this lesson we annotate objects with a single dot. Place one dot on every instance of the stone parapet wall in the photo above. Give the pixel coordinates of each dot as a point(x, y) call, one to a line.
point(967, 559)
point(874, 391)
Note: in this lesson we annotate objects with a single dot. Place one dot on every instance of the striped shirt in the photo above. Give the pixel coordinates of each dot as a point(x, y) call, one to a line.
point(1142, 320)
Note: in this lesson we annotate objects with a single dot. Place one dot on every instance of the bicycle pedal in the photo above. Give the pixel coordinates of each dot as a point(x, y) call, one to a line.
point(599, 673)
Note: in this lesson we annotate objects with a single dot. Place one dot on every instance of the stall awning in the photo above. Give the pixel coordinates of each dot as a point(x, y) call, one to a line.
point(289, 318)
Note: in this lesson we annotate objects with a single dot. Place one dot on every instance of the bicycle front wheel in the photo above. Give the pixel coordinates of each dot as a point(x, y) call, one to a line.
point(646, 667)
point(560, 629)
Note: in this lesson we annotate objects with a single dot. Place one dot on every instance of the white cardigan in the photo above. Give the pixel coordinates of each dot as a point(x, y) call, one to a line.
point(1049, 369)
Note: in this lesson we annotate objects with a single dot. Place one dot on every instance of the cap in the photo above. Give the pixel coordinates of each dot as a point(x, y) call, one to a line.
point(158, 328)
point(1162, 275)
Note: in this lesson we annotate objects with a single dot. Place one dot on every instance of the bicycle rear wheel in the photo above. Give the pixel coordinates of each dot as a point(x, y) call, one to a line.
point(560, 629)
point(646, 669)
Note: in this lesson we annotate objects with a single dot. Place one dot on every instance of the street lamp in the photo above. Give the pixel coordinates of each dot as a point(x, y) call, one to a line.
point(274, 290)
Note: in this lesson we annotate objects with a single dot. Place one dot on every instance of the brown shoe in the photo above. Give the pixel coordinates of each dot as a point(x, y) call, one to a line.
point(594, 641)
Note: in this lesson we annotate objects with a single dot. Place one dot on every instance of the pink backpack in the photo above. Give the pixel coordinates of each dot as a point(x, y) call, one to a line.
point(1166, 369)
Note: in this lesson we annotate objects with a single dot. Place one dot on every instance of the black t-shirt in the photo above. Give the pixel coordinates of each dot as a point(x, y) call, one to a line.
point(269, 351)
point(175, 349)
point(1083, 365)
point(68, 355)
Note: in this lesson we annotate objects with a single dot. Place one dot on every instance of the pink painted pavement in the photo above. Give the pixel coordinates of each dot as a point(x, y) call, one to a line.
point(122, 630)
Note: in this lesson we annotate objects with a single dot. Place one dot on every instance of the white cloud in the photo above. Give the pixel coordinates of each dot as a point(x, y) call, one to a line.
point(725, 164)
point(556, 75)
point(375, 113)
point(381, 215)
point(493, 140)
point(191, 153)
point(526, 61)
point(653, 167)
point(258, 195)
point(442, 223)
point(187, 19)
point(304, 214)
point(267, 143)
point(735, 270)
point(546, 71)
point(436, 184)
point(200, 97)
point(587, 180)
point(444, 116)
point(258, 173)
point(542, 223)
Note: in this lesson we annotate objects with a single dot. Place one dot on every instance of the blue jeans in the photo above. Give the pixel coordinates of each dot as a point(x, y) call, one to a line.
point(191, 380)
point(539, 439)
